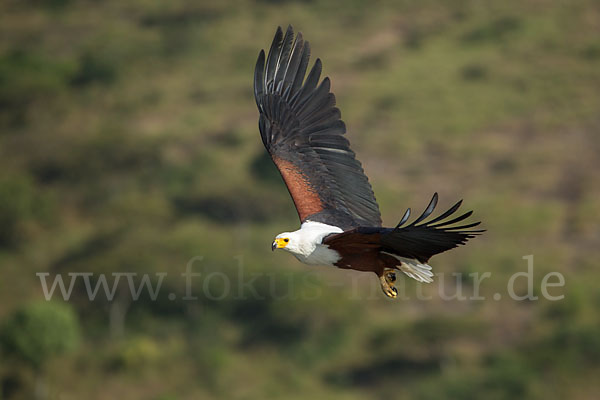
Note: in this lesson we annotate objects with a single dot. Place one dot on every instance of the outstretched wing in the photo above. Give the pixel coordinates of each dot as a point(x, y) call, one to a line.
point(302, 131)
point(419, 240)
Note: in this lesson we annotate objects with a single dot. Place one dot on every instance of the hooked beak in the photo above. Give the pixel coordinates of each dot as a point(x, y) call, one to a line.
point(279, 243)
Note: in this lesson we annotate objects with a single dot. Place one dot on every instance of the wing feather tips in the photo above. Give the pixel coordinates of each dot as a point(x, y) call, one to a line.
point(259, 73)
point(421, 240)
point(284, 57)
point(404, 219)
point(302, 67)
point(439, 223)
point(428, 210)
point(272, 58)
point(294, 62)
point(310, 84)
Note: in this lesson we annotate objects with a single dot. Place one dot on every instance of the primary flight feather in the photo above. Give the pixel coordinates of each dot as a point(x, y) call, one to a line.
point(340, 220)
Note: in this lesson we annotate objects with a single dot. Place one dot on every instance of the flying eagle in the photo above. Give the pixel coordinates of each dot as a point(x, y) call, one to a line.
point(340, 219)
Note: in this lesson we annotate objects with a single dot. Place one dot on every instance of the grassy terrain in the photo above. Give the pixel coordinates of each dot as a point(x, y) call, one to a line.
point(129, 143)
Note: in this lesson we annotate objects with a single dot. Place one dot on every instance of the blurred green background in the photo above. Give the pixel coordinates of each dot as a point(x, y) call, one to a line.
point(129, 143)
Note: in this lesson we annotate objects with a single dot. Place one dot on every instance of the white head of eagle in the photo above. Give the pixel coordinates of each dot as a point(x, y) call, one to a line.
point(307, 243)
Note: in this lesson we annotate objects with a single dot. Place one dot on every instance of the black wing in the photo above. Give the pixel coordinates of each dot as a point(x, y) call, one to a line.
point(421, 240)
point(302, 131)
point(418, 240)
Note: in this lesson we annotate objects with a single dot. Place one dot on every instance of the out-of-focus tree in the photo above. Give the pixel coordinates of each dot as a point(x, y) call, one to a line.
point(38, 332)
point(17, 204)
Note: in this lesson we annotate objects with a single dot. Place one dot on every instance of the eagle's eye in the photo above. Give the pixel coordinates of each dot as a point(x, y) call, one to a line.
point(286, 240)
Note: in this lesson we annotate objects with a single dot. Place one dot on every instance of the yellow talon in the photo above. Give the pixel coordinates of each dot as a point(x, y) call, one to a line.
point(387, 280)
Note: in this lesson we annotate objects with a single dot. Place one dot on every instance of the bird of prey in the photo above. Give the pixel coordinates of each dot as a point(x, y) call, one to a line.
point(340, 220)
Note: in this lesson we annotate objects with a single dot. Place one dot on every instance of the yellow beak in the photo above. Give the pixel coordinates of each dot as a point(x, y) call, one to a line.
point(279, 243)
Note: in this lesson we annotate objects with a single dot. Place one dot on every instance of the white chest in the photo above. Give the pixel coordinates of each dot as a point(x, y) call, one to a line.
point(321, 255)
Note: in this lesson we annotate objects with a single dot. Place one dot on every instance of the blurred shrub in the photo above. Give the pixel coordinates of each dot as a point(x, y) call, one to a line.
point(224, 208)
point(264, 170)
point(474, 72)
point(414, 38)
point(227, 138)
point(508, 377)
point(571, 346)
point(93, 69)
point(16, 204)
point(438, 329)
point(108, 153)
point(20, 70)
point(192, 15)
point(591, 52)
point(233, 206)
point(209, 348)
point(307, 331)
point(372, 60)
point(494, 31)
point(166, 397)
point(19, 203)
point(137, 352)
point(39, 331)
point(25, 76)
point(505, 376)
point(384, 369)
point(54, 5)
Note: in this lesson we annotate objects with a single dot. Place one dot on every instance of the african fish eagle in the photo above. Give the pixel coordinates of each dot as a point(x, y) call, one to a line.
point(340, 219)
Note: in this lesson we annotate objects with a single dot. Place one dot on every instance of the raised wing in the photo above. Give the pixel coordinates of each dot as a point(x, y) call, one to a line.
point(302, 131)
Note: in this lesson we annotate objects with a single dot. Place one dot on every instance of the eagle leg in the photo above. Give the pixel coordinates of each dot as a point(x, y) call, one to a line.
point(387, 280)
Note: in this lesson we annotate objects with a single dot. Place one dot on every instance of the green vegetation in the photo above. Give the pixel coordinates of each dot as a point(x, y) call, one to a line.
point(36, 333)
point(129, 143)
